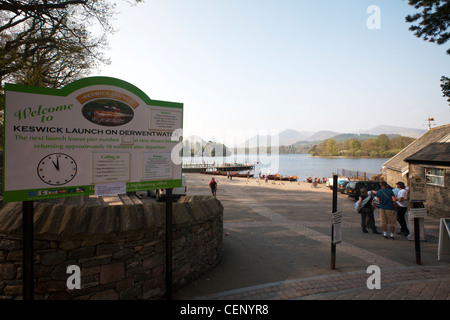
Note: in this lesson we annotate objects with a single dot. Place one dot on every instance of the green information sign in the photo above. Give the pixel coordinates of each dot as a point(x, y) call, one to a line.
point(95, 136)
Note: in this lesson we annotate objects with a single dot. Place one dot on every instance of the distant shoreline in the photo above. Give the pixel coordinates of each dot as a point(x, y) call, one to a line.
point(347, 157)
point(274, 154)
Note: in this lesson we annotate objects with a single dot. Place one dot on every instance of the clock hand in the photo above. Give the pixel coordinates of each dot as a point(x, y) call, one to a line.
point(57, 163)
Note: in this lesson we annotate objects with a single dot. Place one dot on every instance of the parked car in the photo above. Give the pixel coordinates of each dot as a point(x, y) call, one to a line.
point(160, 194)
point(330, 182)
point(353, 188)
point(341, 185)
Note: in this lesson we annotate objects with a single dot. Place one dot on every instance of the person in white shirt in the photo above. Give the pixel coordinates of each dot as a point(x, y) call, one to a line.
point(402, 208)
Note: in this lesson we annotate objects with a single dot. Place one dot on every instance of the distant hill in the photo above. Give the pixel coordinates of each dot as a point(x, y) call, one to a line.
point(285, 138)
point(322, 135)
point(364, 136)
point(290, 136)
point(406, 132)
point(293, 137)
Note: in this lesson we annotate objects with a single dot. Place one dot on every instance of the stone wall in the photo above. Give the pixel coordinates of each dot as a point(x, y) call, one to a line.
point(119, 249)
point(393, 176)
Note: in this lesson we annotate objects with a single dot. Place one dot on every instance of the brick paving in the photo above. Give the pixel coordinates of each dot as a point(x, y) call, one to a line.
point(403, 283)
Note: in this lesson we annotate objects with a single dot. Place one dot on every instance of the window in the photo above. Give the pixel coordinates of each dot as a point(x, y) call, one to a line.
point(374, 186)
point(435, 176)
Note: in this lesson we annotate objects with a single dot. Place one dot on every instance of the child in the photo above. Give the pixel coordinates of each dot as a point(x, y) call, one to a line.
point(213, 186)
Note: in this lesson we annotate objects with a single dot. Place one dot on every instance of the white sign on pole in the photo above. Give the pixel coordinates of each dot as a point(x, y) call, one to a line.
point(336, 219)
point(417, 212)
point(417, 189)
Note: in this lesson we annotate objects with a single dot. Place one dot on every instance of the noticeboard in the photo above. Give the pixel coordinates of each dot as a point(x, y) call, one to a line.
point(97, 135)
point(336, 220)
point(417, 189)
point(417, 212)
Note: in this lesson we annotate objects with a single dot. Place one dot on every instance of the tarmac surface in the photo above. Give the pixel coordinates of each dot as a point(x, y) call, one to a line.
point(277, 246)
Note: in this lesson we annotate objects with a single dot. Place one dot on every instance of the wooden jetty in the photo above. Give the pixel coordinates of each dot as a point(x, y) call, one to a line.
point(224, 167)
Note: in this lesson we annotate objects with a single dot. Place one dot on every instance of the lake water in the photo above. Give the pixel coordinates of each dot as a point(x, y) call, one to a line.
point(300, 165)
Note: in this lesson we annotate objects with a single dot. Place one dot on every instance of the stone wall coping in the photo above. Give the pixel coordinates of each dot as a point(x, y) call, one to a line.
point(70, 220)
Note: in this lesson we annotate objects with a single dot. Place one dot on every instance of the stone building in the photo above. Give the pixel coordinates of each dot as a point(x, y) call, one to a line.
point(427, 157)
point(433, 164)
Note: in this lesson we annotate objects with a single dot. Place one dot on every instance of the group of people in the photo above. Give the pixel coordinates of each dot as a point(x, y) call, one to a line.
point(392, 207)
point(316, 180)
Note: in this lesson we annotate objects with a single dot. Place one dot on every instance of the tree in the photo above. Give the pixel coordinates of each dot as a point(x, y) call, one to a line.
point(332, 148)
point(433, 21)
point(49, 42)
point(355, 145)
point(368, 145)
point(382, 143)
point(445, 87)
point(327, 147)
point(400, 143)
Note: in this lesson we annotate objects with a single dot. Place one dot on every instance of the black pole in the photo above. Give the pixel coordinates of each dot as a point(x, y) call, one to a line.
point(417, 240)
point(415, 205)
point(334, 209)
point(28, 250)
point(168, 244)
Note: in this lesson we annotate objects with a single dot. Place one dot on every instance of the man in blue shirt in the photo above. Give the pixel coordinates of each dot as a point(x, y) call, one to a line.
point(388, 215)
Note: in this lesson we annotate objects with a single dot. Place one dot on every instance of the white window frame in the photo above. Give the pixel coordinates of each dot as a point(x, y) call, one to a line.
point(434, 178)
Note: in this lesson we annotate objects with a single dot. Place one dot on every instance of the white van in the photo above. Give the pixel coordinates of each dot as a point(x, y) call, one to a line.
point(330, 182)
point(160, 194)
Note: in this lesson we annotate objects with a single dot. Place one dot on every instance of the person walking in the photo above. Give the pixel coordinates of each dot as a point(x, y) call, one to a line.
point(402, 208)
point(213, 186)
point(365, 209)
point(388, 215)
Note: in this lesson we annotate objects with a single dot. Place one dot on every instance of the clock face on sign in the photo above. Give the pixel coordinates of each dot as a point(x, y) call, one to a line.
point(57, 169)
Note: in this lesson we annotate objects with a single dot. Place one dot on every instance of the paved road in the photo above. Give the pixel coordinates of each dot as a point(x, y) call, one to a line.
point(277, 247)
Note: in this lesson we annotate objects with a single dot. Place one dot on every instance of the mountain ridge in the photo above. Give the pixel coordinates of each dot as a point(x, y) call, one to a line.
point(286, 137)
point(293, 137)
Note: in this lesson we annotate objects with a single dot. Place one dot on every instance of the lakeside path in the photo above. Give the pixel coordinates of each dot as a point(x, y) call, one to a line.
point(277, 246)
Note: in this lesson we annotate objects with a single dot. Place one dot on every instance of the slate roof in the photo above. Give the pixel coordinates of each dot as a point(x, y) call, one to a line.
point(437, 152)
point(437, 134)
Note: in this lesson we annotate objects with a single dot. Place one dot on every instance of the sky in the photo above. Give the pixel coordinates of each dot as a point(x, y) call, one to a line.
point(246, 66)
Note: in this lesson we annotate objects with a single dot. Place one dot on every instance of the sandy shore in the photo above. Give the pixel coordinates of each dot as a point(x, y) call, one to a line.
point(223, 181)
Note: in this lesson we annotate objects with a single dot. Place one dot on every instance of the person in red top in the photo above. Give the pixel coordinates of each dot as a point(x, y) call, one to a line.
point(213, 186)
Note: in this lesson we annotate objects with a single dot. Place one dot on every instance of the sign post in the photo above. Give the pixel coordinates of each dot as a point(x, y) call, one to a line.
point(28, 250)
point(96, 136)
point(169, 214)
point(417, 211)
point(333, 235)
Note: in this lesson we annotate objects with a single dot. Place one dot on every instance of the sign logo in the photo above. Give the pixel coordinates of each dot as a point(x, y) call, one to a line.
point(107, 107)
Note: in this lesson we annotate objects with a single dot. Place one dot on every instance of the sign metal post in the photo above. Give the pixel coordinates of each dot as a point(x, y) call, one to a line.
point(417, 196)
point(333, 210)
point(28, 250)
point(169, 221)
